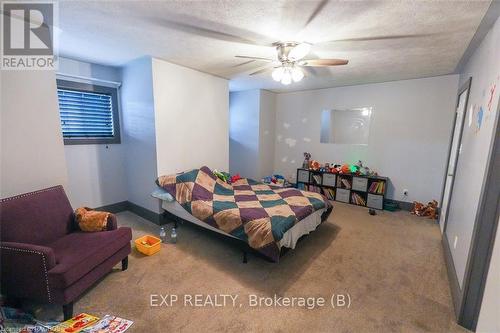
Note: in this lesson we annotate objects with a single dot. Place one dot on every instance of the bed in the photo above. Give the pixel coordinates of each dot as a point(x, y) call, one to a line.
point(267, 219)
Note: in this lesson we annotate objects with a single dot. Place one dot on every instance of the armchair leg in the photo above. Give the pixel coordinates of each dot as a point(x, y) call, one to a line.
point(125, 263)
point(245, 259)
point(68, 311)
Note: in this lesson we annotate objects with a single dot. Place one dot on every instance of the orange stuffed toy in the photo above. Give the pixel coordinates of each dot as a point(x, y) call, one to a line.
point(429, 210)
point(345, 169)
point(314, 165)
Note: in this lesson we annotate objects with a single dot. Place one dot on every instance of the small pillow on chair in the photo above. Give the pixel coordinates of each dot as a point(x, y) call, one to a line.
point(91, 220)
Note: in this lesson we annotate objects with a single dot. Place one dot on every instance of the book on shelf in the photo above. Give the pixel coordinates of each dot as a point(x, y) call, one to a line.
point(345, 183)
point(357, 199)
point(317, 179)
point(329, 193)
point(377, 187)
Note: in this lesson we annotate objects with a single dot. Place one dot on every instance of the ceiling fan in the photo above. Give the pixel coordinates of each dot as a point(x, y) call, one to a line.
point(290, 61)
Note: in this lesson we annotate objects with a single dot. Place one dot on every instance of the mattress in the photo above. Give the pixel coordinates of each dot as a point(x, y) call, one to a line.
point(290, 237)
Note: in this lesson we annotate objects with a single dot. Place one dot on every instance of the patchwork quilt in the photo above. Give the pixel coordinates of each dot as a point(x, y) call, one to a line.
point(256, 213)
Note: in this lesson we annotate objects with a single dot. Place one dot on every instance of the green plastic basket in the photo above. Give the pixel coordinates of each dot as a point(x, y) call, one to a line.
point(391, 206)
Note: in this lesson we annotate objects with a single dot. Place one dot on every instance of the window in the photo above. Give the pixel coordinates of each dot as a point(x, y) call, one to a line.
point(88, 113)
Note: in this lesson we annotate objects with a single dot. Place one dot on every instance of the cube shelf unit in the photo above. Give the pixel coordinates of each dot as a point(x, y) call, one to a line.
point(367, 191)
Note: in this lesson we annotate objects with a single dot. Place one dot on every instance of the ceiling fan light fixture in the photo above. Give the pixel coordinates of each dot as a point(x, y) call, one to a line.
point(297, 74)
point(278, 74)
point(287, 77)
point(299, 51)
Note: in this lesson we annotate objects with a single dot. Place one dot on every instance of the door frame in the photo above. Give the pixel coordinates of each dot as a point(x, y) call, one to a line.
point(467, 301)
point(465, 86)
point(483, 236)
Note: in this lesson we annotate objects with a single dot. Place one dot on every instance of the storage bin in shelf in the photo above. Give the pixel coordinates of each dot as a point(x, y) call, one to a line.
point(359, 183)
point(329, 179)
point(342, 195)
point(375, 201)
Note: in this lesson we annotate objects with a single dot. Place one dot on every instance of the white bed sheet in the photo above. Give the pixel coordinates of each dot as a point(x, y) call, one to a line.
point(289, 240)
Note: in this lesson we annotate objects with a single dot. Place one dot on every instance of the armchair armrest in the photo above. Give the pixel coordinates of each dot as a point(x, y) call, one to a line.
point(25, 270)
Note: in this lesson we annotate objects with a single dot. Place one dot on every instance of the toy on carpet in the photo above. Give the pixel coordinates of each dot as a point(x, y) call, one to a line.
point(429, 210)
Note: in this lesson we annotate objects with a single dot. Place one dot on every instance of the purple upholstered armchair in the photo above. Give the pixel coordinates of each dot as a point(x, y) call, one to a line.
point(45, 258)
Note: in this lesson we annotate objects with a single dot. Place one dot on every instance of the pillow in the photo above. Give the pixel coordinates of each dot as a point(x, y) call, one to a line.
point(162, 194)
point(89, 220)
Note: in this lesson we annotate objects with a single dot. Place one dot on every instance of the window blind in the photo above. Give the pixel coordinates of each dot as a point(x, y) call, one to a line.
point(85, 114)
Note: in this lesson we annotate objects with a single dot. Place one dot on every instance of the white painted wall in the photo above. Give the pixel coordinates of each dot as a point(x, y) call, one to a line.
point(409, 132)
point(96, 172)
point(251, 133)
point(192, 111)
point(244, 134)
point(32, 151)
point(139, 135)
point(267, 124)
point(484, 68)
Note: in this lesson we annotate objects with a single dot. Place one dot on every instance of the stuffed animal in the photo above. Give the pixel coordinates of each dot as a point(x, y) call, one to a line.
point(307, 157)
point(314, 165)
point(345, 169)
point(224, 176)
point(235, 178)
point(429, 210)
point(417, 209)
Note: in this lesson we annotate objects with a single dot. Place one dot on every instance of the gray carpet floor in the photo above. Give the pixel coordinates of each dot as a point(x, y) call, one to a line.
point(390, 266)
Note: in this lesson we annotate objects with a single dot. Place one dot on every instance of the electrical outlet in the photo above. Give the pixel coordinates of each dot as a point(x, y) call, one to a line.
point(405, 192)
point(455, 242)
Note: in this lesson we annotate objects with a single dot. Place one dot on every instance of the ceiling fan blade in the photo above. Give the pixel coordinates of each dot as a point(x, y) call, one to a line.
point(205, 32)
point(323, 62)
point(310, 71)
point(255, 58)
point(315, 13)
point(243, 63)
point(374, 38)
point(260, 71)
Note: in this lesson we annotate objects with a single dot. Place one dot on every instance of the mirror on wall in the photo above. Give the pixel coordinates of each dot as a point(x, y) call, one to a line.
point(351, 126)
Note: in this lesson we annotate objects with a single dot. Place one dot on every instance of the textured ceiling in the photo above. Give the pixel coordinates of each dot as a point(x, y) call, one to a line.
point(206, 35)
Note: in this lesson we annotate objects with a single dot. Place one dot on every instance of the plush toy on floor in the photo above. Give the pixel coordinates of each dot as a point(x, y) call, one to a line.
point(429, 210)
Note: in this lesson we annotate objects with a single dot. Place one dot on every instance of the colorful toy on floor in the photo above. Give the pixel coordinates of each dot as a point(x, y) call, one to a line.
point(429, 210)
